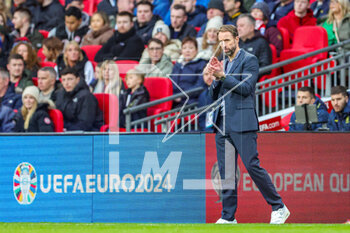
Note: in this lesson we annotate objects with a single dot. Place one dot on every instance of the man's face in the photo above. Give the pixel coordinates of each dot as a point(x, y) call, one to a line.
point(155, 51)
point(229, 5)
point(178, 18)
point(190, 5)
point(4, 82)
point(126, 5)
point(69, 82)
point(339, 102)
point(304, 97)
point(15, 67)
point(144, 14)
point(18, 20)
point(244, 28)
point(300, 6)
point(212, 12)
point(45, 82)
point(124, 24)
point(228, 43)
point(72, 23)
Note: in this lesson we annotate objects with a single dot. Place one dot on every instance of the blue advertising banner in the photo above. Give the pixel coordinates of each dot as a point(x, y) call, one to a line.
point(91, 178)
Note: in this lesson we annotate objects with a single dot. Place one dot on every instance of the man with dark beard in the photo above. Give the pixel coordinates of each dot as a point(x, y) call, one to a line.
point(236, 125)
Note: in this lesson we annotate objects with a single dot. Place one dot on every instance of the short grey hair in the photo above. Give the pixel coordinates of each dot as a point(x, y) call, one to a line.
point(52, 71)
point(4, 74)
point(250, 18)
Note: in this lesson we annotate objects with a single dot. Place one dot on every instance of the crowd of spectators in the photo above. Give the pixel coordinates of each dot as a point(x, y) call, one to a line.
point(166, 37)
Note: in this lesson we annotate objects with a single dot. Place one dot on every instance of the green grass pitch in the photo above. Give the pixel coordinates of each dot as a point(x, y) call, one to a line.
point(168, 228)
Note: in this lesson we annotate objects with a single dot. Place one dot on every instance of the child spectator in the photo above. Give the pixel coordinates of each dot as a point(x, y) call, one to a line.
point(186, 70)
point(136, 94)
point(338, 22)
point(109, 80)
point(209, 43)
point(52, 48)
point(300, 16)
point(72, 28)
point(29, 55)
point(76, 58)
point(99, 32)
point(34, 116)
point(260, 12)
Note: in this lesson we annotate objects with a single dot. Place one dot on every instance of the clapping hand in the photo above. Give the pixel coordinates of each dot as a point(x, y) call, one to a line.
point(215, 68)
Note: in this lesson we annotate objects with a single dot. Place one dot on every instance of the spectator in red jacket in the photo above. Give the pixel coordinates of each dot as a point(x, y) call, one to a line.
point(300, 16)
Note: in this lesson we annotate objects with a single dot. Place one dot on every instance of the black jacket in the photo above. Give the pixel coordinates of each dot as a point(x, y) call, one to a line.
point(186, 30)
point(40, 121)
point(126, 46)
point(6, 49)
point(198, 17)
point(48, 17)
point(33, 35)
point(145, 32)
point(80, 109)
point(77, 36)
point(140, 96)
point(259, 47)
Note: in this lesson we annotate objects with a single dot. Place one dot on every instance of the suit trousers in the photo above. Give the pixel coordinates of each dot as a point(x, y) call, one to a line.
point(244, 144)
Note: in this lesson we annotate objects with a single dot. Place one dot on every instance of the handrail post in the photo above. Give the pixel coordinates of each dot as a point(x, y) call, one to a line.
point(128, 122)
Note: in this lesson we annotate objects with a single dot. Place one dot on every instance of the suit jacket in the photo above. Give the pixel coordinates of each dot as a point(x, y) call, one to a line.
point(240, 114)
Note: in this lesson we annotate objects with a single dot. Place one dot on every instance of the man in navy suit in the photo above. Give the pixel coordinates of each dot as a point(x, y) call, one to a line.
point(237, 123)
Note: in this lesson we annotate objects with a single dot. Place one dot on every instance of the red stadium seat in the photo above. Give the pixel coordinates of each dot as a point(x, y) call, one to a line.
point(125, 65)
point(44, 33)
point(158, 88)
point(90, 6)
point(35, 81)
point(265, 98)
point(91, 51)
point(48, 63)
point(109, 105)
point(303, 43)
point(285, 37)
point(276, 71)
point(57, 119)
point(63, 2)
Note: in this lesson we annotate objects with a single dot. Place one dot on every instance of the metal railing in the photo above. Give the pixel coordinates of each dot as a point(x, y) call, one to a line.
point(272, 95)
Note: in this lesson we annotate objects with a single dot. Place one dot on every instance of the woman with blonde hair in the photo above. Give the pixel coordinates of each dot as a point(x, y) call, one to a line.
point(337, 24)
point(29, 55)
point(34, 115)
point(110, 82)
point(76, 58)
point(209, 43)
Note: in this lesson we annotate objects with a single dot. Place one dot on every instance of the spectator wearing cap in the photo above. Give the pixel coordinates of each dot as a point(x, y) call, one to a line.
point(260, 12)
point(196, 14)
point(172, 48)
point(179, 29)
point(252, 41)
point(19, 77)
point(79, 107)
point(24, 29)
point(72, 27)
point(34, 115)
point(320, 8)
point(100, 31)
point(48, 14)
point(279, 9)
point(8, 95)
point(125, 44)
point(145, 20)
point(80, 5)
point(300, 16)
point(233, 8)
point(158, 64)
point(209, 43)
point(215, 8)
